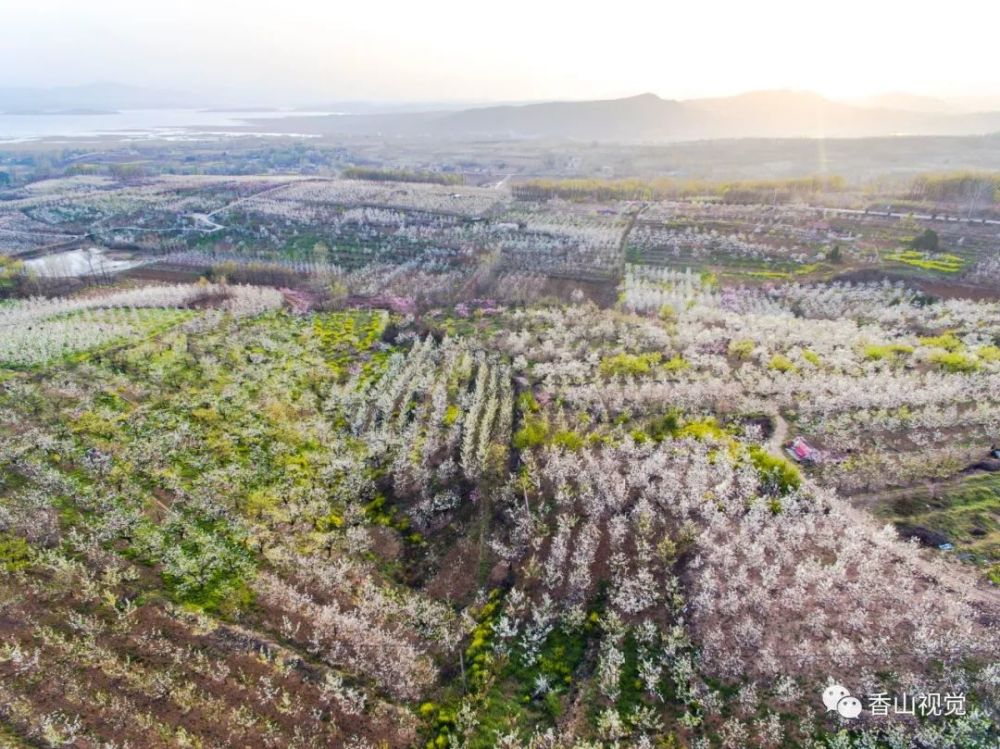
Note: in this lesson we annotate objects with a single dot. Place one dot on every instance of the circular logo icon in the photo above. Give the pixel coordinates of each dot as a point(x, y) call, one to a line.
point(849, 707)
point(832, 695)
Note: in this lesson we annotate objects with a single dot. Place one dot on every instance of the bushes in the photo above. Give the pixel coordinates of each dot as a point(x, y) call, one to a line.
point(14, 552)
point(569, 439)
point(667, 425)
point(637, 365)
point(988, 353)
point(948, 354)
point(750, 191)
point(677, 364)
point(703, 429)
point(927, 241)
point(891, 351)
point(957, 187)
point(741, 349)
point(629, 364)
point(955, 361)
point(947, 341)
point(781, 363)
point(994, 574)
point(777, 474)
point(402, 175)
point(527, 402)
point(534, 433)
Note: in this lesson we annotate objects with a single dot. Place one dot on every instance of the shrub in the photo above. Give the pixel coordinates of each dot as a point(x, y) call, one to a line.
point(704, 429)
point(994, 574)
point(534, 433)
point(954, 361)
point(676, 364)
point(402, 175)
point(741, 349)
point(527, 402)
point(777, 474)
point(14, 552)
point(667, 425)
point(781, 363)
point(569, 439)
point(875, 352)
point(927, 241)
point(947, 341)
point(988, 353)
point(629, 364)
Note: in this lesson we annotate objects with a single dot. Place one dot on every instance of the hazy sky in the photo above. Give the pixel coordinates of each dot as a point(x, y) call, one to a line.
point(508, 49)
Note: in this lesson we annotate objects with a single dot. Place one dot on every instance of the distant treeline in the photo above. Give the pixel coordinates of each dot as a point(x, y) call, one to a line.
point(978, 188)
point(19, 168)
point(750, 191)
point(402, 175)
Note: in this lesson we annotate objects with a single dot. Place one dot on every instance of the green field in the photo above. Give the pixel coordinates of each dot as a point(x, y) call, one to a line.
point(968, 513)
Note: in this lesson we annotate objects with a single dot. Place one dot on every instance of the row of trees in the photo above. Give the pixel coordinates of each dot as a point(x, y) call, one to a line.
point(380, 174)
point(750, 191)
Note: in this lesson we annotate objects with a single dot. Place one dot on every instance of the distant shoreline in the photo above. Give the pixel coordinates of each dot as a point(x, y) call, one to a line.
point(240, 110)
point(58, 112)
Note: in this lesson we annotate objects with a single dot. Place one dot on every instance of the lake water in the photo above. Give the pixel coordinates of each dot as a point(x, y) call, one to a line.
point(87, 261)
point(137, 124)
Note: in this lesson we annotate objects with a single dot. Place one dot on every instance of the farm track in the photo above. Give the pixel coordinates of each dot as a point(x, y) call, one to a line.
point(262, 193)
point(623, 242)
point(933, 488)
point(871, 500)
point(775, 444)
point(918, 216)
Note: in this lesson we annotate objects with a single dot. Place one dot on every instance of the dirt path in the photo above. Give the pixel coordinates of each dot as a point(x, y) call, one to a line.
point(623, 242)
point(870, 500)
point(932, 488)
point(262, 193)
point(775, 445)
point(948, 219)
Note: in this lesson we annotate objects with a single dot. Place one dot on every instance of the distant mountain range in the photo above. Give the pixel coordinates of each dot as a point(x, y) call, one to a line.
point(648, 118)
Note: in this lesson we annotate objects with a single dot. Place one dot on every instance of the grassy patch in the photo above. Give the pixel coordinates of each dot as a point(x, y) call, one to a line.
point(777, 474)
point(954, 361)
point(967, 513)
point(15, 554)
point(781, 363)
point(946, 341)
point(629, 364)
point(936, 262)
point(888, 351)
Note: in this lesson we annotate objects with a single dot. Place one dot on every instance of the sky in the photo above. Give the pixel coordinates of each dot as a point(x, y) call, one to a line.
point(293, 51)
